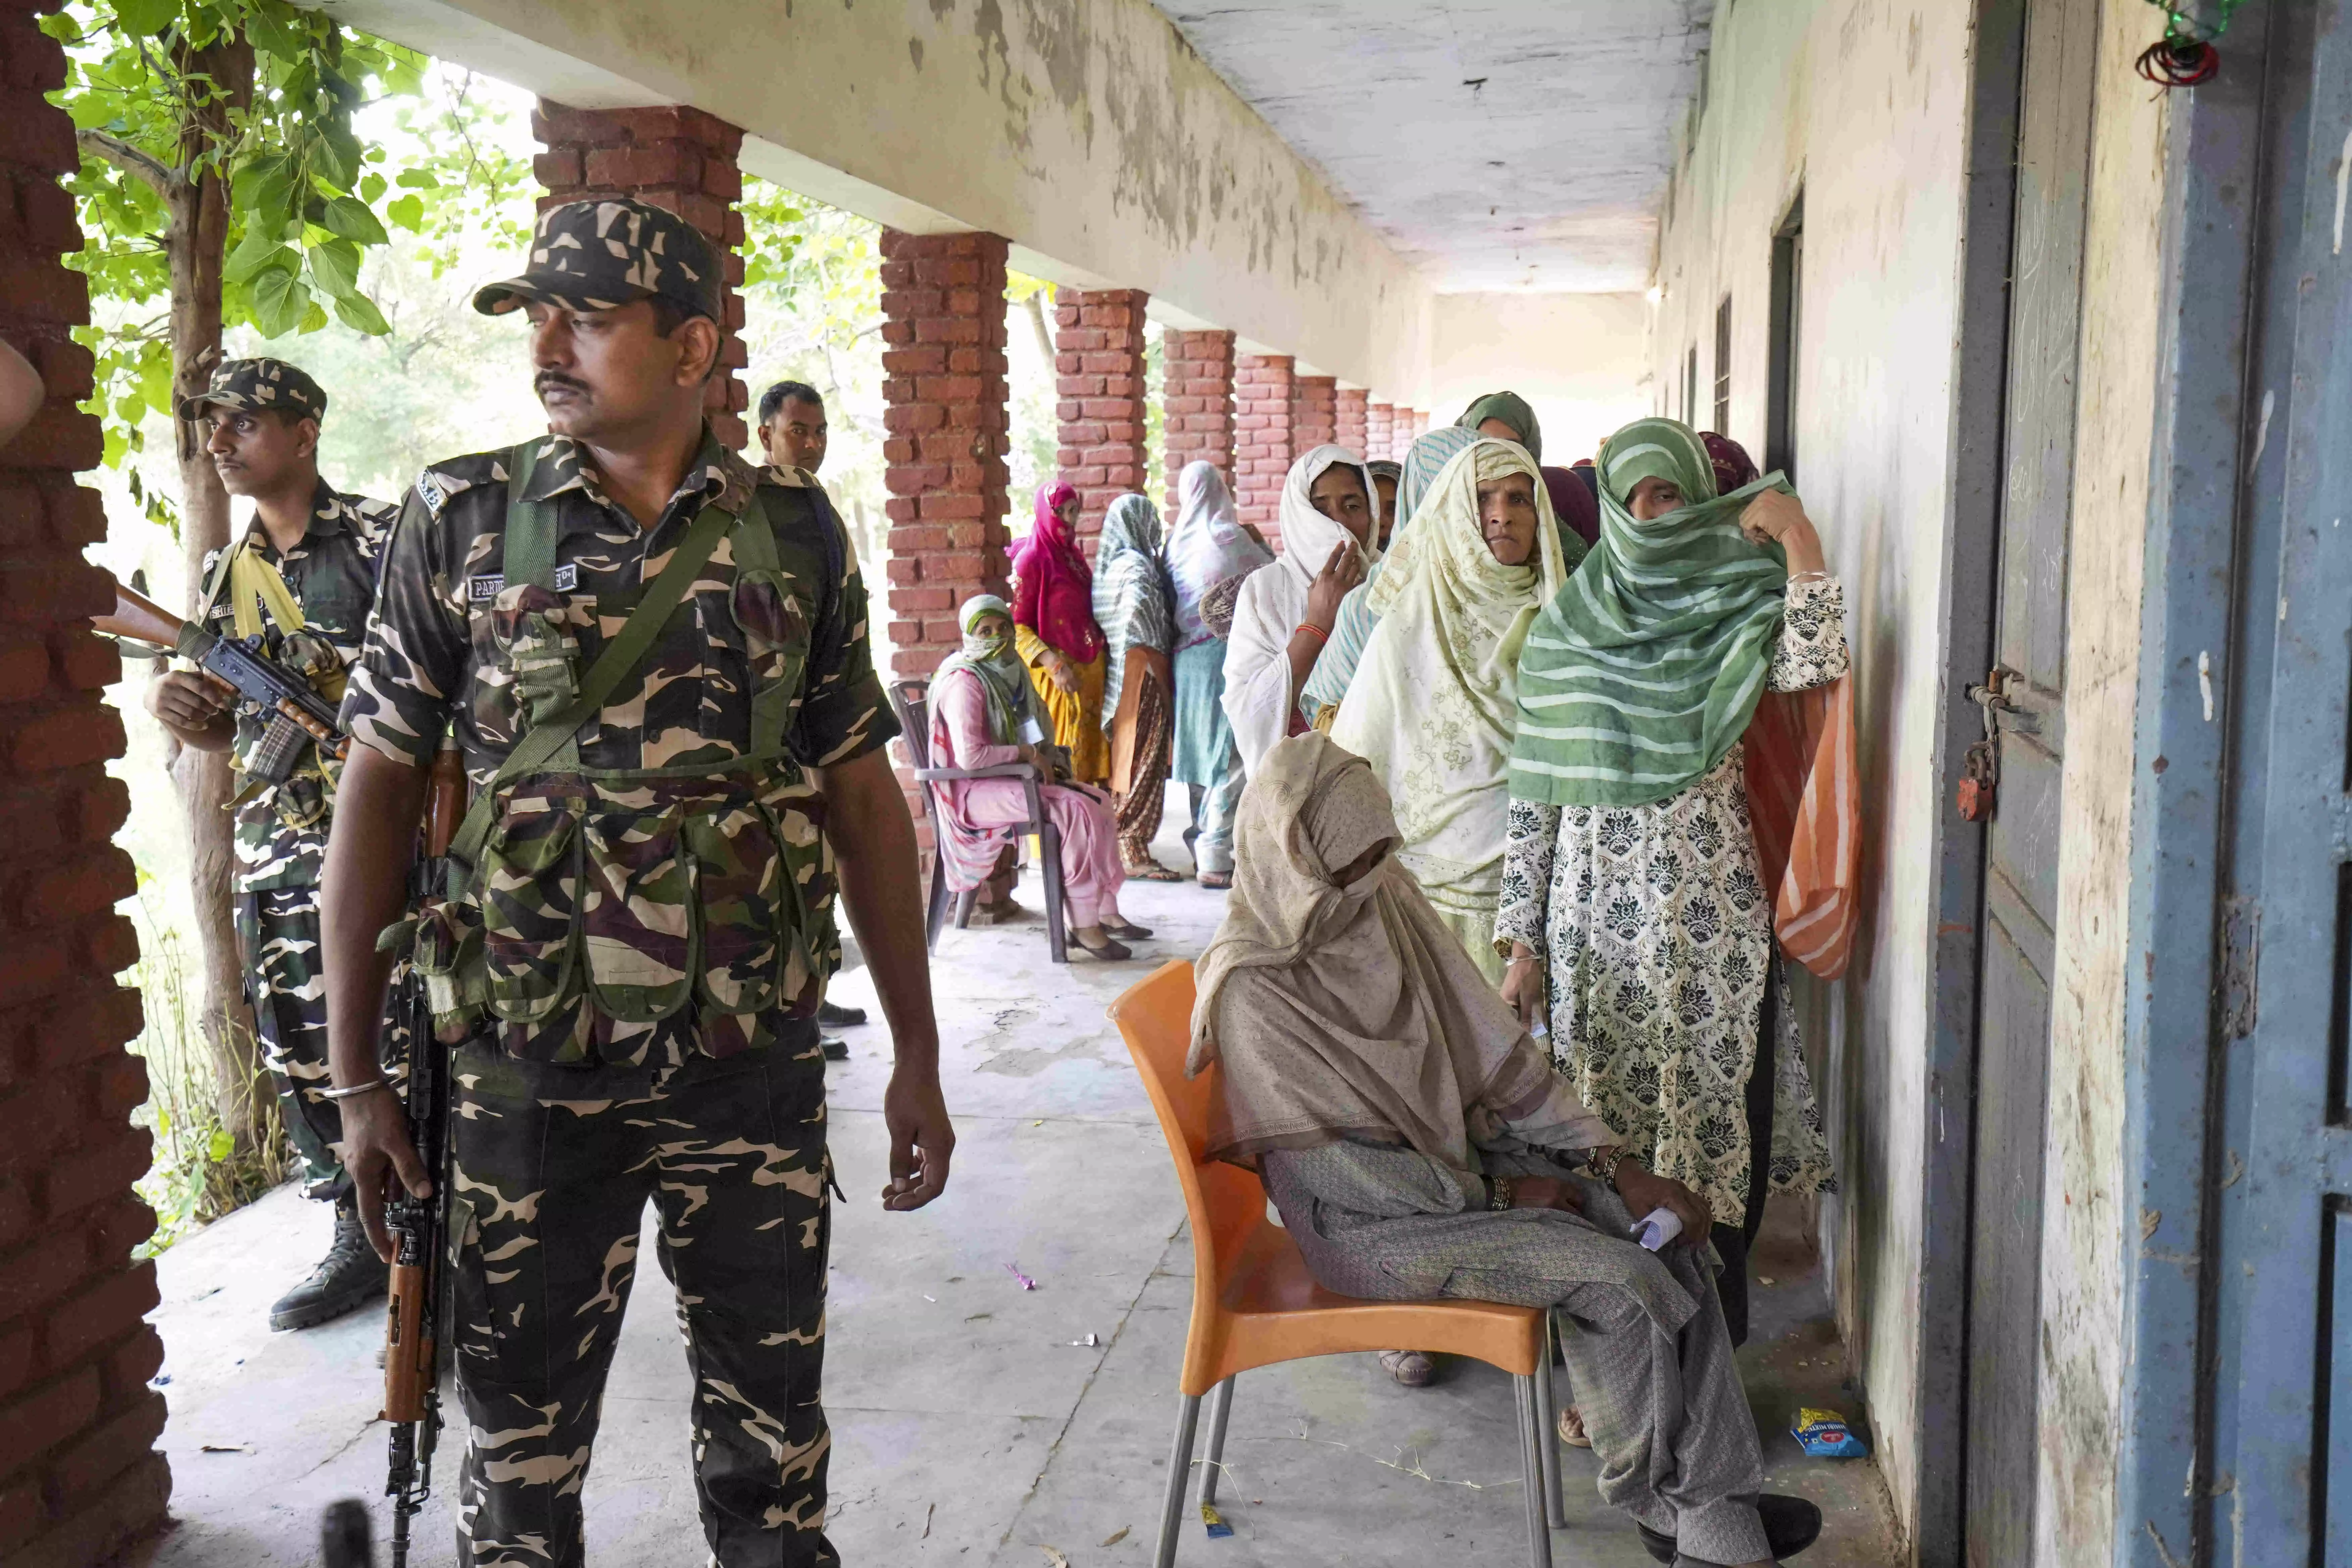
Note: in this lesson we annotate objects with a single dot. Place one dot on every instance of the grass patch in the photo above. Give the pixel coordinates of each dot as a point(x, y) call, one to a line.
point(199, 1174)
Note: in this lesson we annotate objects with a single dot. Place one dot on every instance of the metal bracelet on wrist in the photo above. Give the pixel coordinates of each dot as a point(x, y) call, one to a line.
point(1603, 1162)
point(1501, 1193)
point(353, 1092)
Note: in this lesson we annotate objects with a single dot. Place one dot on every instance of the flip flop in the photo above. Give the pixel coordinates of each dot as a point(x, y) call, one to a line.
point(1152, 871)
point(1217, 881)
point(1571, 1428)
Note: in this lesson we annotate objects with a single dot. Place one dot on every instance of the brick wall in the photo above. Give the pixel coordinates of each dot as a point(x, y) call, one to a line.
point(1197, 393)
point(1098, 384)
point(1261, 440)
point(945, 426)
point(1349, 423)
point(1411, 423)
point(680, 159)
point(78, 1478)
point(1380, 431)
point(1313, 413)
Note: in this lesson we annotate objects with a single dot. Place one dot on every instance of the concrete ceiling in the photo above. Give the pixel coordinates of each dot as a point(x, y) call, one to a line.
point(1498, 144)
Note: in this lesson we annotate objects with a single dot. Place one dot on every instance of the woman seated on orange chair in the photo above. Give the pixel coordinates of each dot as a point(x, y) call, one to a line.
point(1418, 1146)
point(983, 717)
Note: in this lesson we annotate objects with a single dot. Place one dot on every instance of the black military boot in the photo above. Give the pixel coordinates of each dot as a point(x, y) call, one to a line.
point(349, 1277)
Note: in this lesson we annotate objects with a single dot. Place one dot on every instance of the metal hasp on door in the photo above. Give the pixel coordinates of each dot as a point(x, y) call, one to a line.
point(2024, 704)
point(2281, 1464)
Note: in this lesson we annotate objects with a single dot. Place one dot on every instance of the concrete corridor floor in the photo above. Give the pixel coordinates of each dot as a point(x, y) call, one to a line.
point(975, 1421)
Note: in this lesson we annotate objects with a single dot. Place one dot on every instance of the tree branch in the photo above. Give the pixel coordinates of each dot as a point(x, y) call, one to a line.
point(160, 176)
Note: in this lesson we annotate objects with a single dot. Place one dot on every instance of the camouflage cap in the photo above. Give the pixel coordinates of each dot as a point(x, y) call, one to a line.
point(600, 255)
point(258, 384)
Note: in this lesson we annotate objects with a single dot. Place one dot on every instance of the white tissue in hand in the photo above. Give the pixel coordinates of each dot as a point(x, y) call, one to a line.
point(1657, 1228)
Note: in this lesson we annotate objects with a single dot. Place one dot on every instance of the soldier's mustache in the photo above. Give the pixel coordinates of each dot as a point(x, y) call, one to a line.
point(548, 378)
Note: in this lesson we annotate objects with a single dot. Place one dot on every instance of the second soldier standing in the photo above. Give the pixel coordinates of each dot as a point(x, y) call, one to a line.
point(303, 579)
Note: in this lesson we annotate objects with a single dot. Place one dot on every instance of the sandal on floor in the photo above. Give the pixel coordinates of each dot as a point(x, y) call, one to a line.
point(1571, 1432)
point(1108, 952)
point(1152, 871)
point(1126, 930)
point(1790, 1524)
point(1412, 1368)
point(1217, 881)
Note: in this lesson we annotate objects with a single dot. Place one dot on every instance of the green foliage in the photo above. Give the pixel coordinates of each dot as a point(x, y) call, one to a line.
point(306, 202)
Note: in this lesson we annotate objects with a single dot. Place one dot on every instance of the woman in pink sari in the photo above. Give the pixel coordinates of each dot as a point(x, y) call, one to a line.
point(983, 716)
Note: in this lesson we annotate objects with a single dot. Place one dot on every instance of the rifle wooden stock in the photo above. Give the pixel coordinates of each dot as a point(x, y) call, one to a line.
point(408, 1369)
point(141, 619)
point(445, 801)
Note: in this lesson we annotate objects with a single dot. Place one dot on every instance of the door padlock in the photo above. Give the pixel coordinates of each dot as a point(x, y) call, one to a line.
point(1977, 782)
point(1980, 767)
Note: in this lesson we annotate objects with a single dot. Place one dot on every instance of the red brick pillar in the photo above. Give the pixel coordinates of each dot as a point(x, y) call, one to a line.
point(1261, 440)
point(1098, 378)
point(1313, 413)
point(1349, 425)
point(1412, 423)
point(945, 425)
point(1380, 431)
point(680, 159)
point(1197, 390)
point(78, 1422)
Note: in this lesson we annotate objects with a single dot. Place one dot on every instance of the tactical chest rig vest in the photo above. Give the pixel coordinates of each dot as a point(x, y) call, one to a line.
point(574, 892)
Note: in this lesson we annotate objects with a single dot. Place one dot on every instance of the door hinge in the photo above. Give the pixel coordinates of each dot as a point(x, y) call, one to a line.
point(2241, 938)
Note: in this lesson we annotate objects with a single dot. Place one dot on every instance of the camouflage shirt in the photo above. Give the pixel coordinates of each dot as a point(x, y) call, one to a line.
point(333, 575)
point(439, 653)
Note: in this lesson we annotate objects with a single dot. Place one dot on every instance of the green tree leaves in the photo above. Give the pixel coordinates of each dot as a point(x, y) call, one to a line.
point(305, 203)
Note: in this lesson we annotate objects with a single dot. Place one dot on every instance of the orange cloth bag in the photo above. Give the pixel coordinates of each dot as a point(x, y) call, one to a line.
point(1804, 805)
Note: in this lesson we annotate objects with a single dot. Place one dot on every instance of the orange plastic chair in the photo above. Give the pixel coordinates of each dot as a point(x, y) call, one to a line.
point(1254, 1303)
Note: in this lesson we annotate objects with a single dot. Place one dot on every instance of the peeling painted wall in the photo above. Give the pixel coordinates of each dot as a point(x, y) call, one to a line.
point(1578, 358)
point(1864, 106)
point(2084, 1204)
point(1089, 135)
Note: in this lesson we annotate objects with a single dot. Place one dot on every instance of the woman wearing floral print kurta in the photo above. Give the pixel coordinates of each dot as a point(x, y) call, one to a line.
point(1630, 885)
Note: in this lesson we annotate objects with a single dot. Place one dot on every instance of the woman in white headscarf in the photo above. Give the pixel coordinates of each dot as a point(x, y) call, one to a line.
point(1284, 619)
point(1211, 554)
point(1435, 702)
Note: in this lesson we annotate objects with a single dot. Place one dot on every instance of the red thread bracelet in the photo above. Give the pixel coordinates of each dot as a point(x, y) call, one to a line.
point(1321, 635)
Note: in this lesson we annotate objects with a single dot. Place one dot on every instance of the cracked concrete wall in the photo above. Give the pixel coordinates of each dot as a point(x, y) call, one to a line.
point(1864, 107)
point(1088, 135)
point(1580, 359)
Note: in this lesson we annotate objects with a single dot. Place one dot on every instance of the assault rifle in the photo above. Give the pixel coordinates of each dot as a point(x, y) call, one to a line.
point(297, 714)
point(419, 1227)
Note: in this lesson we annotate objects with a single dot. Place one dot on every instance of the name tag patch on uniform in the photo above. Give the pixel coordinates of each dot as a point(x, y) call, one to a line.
point(482, 589)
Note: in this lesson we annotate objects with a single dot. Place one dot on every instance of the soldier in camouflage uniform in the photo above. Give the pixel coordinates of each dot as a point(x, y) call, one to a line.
point(261, 418)
point(629, 959)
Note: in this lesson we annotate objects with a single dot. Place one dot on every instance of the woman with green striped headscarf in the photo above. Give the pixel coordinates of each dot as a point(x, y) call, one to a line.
point(1632, 907)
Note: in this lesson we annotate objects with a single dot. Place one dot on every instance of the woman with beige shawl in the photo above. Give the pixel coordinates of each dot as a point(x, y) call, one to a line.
point(1435, 698)
point(1418, 1146)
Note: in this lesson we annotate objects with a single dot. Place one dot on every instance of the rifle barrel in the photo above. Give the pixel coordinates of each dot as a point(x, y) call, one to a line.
point(140, 618)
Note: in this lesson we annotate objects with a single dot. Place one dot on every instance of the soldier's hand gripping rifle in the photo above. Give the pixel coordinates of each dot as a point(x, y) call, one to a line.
point(412, 1382)
point(300, 715)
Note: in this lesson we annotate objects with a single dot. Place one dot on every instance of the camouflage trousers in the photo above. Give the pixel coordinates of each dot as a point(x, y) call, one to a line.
point(277, 936)
point(553, 1167)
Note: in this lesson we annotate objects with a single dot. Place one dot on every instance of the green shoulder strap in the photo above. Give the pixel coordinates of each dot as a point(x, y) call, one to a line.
point(754, 543)
point(543, 740)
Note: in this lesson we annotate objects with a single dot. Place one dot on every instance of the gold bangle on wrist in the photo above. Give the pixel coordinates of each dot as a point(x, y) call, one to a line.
point(1603, 1162)
point(1504, 1194)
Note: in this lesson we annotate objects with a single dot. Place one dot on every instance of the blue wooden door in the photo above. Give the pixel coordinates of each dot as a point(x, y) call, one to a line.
point(2280, 1488)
